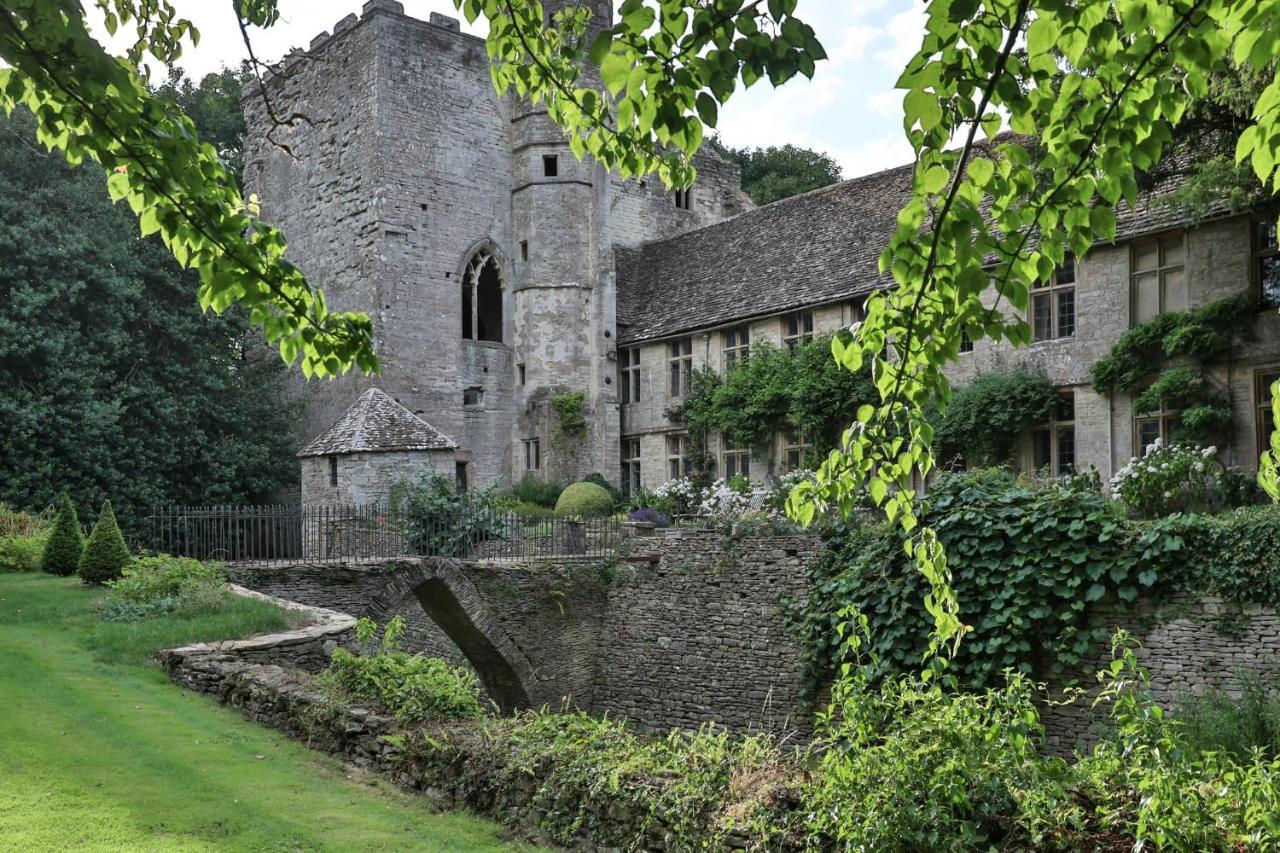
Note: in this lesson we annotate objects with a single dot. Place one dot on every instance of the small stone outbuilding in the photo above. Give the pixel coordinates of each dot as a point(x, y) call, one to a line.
point(374, 445)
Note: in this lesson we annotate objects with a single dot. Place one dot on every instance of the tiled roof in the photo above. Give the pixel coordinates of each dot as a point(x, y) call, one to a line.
point(819, 247)
point(376, 423)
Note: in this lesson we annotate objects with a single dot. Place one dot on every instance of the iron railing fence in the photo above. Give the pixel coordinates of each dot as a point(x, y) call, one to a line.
point(284, 533)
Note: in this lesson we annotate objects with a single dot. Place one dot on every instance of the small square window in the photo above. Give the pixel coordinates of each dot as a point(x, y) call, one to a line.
point(473, 396)
point(550, 165)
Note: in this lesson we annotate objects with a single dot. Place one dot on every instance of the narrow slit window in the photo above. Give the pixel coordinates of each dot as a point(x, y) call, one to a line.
point(1053, 304)
point(737, 345)
point(524, 250)
point(680, 366)
point(630, 466)
point(333, 470)
point(797, 328)
point(629, 375)
point(532, 454)
point(1053, 444)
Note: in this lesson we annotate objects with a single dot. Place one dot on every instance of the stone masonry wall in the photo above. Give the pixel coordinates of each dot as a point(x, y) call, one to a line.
point(698, 634)
point(688, 629)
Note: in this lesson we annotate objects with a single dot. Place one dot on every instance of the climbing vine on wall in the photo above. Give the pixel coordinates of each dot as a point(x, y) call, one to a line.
point(985, 418)
point(571, 424)
point(1169, 358)
point(771, 392)
point(1027, 560)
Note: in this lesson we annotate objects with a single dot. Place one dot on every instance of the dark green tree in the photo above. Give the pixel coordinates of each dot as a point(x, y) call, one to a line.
point(65, 544)
point(112, 381)
point(105, 554)
point(214, 105)
point(773, 173)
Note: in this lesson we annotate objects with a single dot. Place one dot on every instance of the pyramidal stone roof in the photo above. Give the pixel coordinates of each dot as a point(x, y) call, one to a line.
point(376, 423)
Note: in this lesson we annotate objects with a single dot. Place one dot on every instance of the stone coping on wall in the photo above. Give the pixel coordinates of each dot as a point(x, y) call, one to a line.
point(306, 646)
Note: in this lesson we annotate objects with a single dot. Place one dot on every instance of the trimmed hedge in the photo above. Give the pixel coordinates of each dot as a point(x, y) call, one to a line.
point(584, 499)
point(105, 554)
point(63, 548)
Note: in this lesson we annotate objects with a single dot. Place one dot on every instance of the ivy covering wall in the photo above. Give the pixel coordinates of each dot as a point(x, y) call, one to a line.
point(1028, 561)
point(773, 391)
point(1166, 363)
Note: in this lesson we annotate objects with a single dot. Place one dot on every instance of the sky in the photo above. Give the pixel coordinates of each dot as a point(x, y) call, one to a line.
point(848, 110)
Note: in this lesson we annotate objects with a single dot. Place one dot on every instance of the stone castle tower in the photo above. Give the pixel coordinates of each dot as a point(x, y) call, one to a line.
point(461, 223)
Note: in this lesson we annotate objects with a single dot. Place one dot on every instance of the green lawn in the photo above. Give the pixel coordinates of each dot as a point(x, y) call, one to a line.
point(100, 755)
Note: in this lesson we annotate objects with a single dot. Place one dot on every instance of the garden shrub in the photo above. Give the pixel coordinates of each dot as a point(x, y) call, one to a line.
point(597, 784)
point(649, 516)
point(1234, 554)
point(439, 521)
point(20, 553)
point(65, 544)
point(584, 500)
point(105, 554)
point(534, 490)
point(162, 586)
point(529, 510)
point(18, 523)
point(1167, 479)
point(986, 418)
point(912, 764)
point(413, 688)
point(1218, 721)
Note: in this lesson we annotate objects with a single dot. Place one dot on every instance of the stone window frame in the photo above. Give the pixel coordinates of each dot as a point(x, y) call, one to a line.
point(630, 458)
point(679, 366)
point(797, 328)
point(629, 375)
point(966, 342)
point(473, 397)
point(684, 198)
point(796, 449)
point(677, 455)
point(1057, 436)
point(477, 260)
point(736, 343)
point(734, 460)
point(550, 165)
point(1263, 378)
point(1266, 256)
point(1057, 298)
point(1169, 274)
point(333, 472)
point(532, 454)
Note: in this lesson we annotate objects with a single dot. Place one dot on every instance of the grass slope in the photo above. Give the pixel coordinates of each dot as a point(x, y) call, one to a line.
point(111, 756)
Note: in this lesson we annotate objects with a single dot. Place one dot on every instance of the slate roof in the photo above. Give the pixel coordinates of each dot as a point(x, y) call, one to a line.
point(810, 249)
point(376, 423)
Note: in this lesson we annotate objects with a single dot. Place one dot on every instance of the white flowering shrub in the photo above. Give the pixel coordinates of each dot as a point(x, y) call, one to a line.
point(1168, 479)
point(725, 499)
point(677, 497)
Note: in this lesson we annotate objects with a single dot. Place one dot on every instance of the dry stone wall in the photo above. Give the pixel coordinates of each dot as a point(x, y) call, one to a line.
point(690, 628)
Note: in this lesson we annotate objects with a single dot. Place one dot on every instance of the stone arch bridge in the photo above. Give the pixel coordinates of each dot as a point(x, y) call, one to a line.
point(689, 631)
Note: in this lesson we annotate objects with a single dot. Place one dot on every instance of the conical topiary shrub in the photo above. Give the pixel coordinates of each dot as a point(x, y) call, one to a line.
point(65, 544)
point(105, 554)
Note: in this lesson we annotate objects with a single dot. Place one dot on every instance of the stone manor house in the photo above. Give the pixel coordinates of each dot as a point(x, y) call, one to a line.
point(502, 274)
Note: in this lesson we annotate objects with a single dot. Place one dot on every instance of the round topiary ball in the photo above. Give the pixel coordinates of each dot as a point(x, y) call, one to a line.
point(584, 499)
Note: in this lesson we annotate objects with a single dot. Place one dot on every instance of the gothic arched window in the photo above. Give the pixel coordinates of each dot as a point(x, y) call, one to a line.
point(482, 298)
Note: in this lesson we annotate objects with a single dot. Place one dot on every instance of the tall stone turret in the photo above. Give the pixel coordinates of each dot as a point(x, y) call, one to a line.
point(564, 298)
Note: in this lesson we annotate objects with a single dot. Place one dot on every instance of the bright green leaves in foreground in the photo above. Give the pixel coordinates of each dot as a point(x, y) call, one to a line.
point(663, 70)
point(1093, 100)
point(88, 103)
